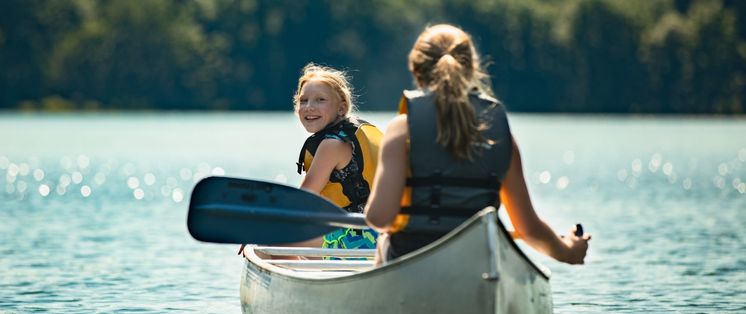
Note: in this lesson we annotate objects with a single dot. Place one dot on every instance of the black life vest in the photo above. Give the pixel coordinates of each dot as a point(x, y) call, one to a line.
point(440, 188)
point(349, 187)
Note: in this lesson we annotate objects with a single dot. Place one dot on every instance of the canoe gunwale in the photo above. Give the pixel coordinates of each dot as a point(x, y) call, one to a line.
point(544, 272)
point(267, 267)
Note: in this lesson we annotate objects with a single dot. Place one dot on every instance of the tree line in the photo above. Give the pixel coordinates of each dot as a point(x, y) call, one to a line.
point(632, 56)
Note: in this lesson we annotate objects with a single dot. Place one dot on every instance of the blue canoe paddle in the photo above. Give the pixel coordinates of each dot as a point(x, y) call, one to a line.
point(231, 210)
point(238, 211)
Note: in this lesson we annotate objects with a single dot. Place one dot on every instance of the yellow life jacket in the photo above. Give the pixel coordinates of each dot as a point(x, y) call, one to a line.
point(349, 187)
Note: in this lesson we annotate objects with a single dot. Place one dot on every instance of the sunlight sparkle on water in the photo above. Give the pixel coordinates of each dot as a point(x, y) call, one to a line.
point(21, 186)
point(38, 174)
point(686, 184)
point(545, 176)
point(723, 169)
point(133, 182)
point(217, 171)
point(563, 182)
point(83, 161)
point(12, 170)
point(85, 191)
point(149, 179)
point(77, 177)
point(655, 162)
point(636, 167)
point(64, 181)
point(739, 185)
point(44, 190)
point(178, 195)
point(138, 193)
point(23, 169)
point(667, 168)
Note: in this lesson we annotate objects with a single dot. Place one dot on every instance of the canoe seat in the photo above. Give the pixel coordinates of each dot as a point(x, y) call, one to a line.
point(317, 268)
point(314, 252)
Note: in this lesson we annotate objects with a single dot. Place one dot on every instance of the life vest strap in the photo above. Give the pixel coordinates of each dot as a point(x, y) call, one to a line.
point(437, 211)
point(438, 180)
point(302, 154)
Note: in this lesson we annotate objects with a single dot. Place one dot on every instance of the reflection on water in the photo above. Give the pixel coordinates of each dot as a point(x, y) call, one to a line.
point(93, 214)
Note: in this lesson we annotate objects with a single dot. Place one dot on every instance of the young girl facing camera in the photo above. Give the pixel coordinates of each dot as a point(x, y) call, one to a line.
point(340, 156)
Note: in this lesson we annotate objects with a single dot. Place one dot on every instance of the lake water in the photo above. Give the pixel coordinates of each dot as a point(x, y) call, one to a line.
point(93, 214)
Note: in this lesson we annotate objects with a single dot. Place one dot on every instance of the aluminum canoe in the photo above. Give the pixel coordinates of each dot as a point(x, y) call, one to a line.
point(476, 268)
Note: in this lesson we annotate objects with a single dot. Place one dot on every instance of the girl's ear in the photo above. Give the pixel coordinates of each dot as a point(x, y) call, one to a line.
point(342, 110)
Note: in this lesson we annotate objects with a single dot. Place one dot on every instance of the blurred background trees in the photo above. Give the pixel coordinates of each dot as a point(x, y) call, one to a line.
point(636, 56)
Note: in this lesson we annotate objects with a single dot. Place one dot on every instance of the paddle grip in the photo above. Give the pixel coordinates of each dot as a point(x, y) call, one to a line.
point(578, 230)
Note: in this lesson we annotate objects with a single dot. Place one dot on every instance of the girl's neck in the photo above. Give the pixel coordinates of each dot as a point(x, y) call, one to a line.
point(333, 123)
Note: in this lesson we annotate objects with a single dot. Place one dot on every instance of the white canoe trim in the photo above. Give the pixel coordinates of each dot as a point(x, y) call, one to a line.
point(322, 265)
point(314, 252)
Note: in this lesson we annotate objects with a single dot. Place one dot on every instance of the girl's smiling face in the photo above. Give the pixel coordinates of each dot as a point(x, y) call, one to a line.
point(318, 106)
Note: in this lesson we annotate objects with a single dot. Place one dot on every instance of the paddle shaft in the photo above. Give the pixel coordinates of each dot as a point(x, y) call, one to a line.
point(340, 220)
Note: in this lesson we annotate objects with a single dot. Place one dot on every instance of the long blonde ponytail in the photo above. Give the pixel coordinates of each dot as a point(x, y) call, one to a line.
point(444, 60)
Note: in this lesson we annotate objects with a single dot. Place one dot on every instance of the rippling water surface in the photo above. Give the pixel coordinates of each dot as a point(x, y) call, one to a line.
point(93, 208)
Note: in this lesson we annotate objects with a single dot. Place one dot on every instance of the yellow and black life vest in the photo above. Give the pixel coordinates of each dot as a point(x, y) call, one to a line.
point(349, 187)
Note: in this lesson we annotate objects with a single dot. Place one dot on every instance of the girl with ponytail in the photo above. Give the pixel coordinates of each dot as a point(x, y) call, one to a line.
point(450, 153)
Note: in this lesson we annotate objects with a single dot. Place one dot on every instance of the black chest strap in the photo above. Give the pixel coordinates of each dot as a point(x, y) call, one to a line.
point(436, 182)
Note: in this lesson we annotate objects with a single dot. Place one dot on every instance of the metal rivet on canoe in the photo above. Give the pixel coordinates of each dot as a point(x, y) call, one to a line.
point(491, 277)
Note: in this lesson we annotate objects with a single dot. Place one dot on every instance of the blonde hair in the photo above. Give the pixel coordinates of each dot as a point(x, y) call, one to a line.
point(338, 80)
point(445, 61)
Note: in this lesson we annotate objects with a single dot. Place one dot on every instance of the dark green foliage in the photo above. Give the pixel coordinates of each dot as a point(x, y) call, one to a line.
point(640, 56)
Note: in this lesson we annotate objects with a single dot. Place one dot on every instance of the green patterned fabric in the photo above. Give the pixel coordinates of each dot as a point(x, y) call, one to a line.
point(349, 238)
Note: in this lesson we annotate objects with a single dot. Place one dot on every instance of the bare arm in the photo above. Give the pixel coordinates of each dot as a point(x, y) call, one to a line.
point(329, 155)
point(514, 195)
point(384, 201)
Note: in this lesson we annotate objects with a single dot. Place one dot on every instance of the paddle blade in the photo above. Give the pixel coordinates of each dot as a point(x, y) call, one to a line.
point(230, 210)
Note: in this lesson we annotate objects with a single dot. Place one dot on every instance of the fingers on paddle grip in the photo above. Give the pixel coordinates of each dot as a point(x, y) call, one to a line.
point(578, 230)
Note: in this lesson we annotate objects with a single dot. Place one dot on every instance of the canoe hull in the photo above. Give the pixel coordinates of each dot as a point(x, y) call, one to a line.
point(475, 269)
